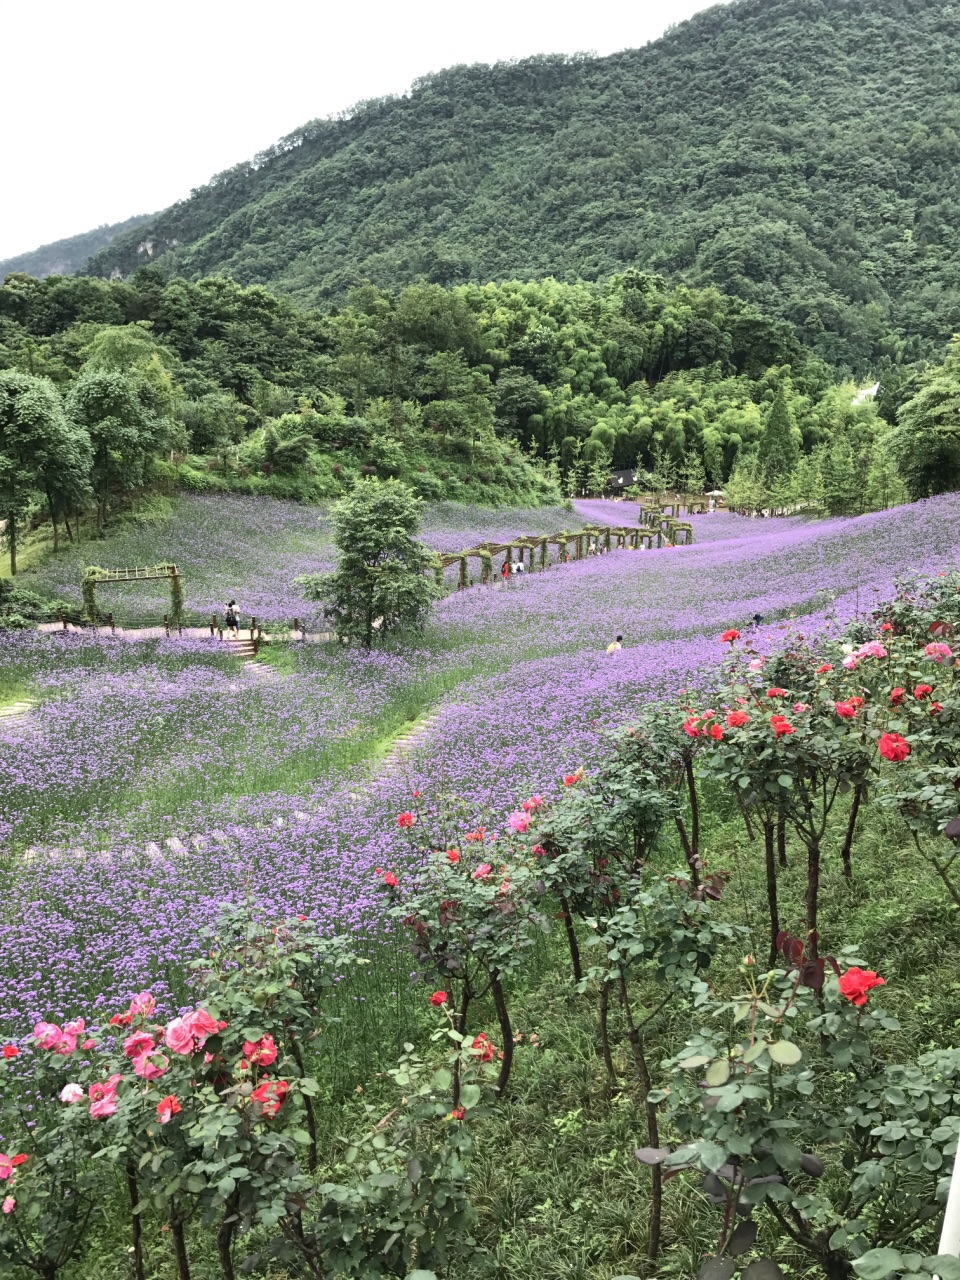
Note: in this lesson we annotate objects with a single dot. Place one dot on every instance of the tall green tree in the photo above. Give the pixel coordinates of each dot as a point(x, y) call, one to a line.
point(382, 580)
point(779, 446)
point(32, 425)
point(927, 444)
point(125, 431)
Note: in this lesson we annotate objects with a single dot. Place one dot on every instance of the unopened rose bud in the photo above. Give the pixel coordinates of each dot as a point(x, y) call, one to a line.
point(748, 961)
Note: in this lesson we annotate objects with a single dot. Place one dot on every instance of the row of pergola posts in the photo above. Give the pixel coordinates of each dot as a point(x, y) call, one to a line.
point(534, 551)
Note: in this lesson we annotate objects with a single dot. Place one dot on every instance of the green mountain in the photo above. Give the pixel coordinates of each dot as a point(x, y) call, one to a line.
point(798, 153)
point(65, 257)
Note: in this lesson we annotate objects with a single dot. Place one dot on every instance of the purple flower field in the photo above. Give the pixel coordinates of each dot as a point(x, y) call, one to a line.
point(156, 780)
point(229, 546)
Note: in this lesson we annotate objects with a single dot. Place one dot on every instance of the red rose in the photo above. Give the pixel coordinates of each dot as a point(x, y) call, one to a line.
point(453, 857)
point(781, 727)
point(484, 1046)
point(855, 983)
point(390, 880)
point(457, 1113)
point(886, 626)
point(438, 998)
point(897, 696)
point(776, 693)
point(728, 637)
point(845, 710)
point(823, 668)
point(736, 718)
point(892, 747)
point(921, 691)
point(716, 733)
point(167, 1107)
point(690, 727)
point(405, 819)
point(10, 1050)
point(935, 708)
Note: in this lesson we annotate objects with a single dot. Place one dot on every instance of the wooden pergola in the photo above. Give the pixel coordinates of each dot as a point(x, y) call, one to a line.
point(533, 549)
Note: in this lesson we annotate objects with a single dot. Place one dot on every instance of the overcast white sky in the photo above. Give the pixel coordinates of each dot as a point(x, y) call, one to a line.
point(114, 107)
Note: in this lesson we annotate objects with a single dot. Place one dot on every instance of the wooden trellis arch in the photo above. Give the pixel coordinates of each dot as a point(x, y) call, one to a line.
point(94, 576)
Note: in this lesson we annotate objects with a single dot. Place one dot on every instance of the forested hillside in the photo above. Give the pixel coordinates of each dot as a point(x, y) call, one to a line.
point(64, 257)
point(498, 393)
point(797, 153)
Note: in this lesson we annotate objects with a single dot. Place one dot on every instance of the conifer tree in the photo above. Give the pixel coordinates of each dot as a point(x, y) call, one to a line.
point(779, 450)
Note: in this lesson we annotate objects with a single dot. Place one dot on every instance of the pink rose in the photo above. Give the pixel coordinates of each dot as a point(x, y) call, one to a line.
point(938, 651)
point(179, 1036)
point(9, 1204)
point(518, 822)
point(6, 1168)
point(71, 1093)
point(139, 1042)
point(103, 1096)
point(142, 1005)
point(66, 1044)
point(533, 803)
point(851, 661)
point(872, 649)
point(150, 1066)
point(756, 664)
point(89, 1044)
point(482, 871)
point(202, 1025)
point(74, 1029)
point(47, 1035)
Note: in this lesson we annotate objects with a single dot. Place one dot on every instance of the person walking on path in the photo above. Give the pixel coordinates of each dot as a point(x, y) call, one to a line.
point(505, 571)
point(232, 620)
point(616, 646)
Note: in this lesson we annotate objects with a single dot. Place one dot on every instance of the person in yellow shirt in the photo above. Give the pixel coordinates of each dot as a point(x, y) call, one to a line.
point(616, 646)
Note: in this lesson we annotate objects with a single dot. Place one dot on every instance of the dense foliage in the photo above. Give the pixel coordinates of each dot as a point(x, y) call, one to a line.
point(497, 392)
point(796, 153)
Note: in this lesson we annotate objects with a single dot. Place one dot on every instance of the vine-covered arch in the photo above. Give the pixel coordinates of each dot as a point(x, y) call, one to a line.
point(94, 576)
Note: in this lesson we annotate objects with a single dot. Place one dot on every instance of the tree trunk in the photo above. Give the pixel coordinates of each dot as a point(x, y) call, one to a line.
point(12, 540)
point(813, 896)
point(746, 815)
point(851, 828)
point(653, 1128)
point(180, 1249)
point(462, 1028)
point(136, 1226)
point(225, 1240)
point(782, 840)
point(572, 941)
point(771, 866)
point(688, 851)
point(506, 1032)
point(694, 809)
point(308, 1105)
point(51, 507)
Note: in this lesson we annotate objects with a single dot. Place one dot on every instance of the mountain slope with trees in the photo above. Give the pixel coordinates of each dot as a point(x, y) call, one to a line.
point(797, 153)
point(65, 257)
